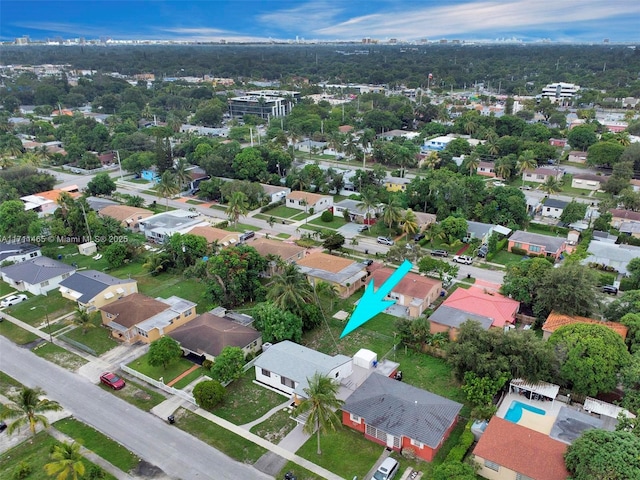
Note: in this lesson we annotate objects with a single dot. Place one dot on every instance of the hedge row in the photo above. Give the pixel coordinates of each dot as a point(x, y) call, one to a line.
point(272, 205)
point(457, 453)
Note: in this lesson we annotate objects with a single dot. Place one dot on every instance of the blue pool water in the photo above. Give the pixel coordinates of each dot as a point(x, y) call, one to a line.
point(514, 414)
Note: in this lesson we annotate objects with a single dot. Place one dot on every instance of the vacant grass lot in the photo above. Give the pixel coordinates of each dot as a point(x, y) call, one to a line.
point(142, 397)
point(227, 442)
point(58, 355)
point(98, 338)
point(98, 443)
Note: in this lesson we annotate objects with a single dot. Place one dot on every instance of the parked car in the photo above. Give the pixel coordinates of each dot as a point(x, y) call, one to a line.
point(13, 300)
point(482, 251)
point(112, 380)
point(246, 236)
point(368, 262)
point(3, 426)
point(418, 236)
point(439, 253)
point(387, 470)
point(610, 289)
point(385, 241)
point(465, 259)
point(363, 228)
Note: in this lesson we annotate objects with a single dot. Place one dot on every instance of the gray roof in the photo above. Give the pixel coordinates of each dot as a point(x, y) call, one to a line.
point(611, 254)
point(90, 283)
point(36, 270)
point(452, 317)
point(400, 409)
point(298, 363)
point(551, 244)
point(11, 249)
point(629, 227)
point(353, 206)
point(350, 274)
point(555, 203)
point(97, 203)
point(478, 229)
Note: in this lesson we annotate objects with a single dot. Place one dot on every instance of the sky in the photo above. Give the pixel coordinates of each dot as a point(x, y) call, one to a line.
point(576, 21)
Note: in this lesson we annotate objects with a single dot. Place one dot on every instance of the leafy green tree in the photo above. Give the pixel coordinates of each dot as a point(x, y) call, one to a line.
point(249, 165)
point(228, 365)
point(481, 390)
point(603, 222)
point(604, 153)
point(633, 268)
point(209, 394)
point(137, 162)
point(454, 470)
point(582, 137)
point(522, 279)
point(290, 290)
point(602, 455)
point(163, 352)
point(14, 219)
point(116, 254)
point(237, 207)
point(442, 269)
point(186, 249)
point(101, 184)
point(573, 212)
point(28, 409)
point(276, 324)
point(321, 404)
point(628, 302)
point(568, 289)
point(590, 355)
point(455, 227)
point(632, 322)
point(630, 381)
point(335, 241)
point(66, 462)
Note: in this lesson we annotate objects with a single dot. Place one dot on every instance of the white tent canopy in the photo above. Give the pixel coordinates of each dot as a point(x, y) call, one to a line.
point(544, 389)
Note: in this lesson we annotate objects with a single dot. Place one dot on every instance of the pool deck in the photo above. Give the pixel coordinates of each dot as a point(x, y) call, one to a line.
point(539, 423)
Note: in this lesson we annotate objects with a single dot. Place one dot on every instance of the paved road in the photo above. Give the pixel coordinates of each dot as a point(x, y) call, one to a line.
point(177, 453)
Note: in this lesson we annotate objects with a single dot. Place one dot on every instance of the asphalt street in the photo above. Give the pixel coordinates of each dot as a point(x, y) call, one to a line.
point(179, 454)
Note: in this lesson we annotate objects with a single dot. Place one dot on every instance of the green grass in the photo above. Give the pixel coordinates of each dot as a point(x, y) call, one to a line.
point(336, 223)
point(98, 338)
point(5, 288)
point(173, 370)
point(141, 181)
point(193, 376)
point(16, 334)
point(218, 207)
point(245, 401)
point(503, 257)
point(36, 453)
point(284, 236)
point(227, 442)
point(58, 355)
point(345, 452)
point(276, 427)
point(35, 309)
point(142, 397)
point(241, 227)
point(8, 385)
point(98, 443)
point(282, 212)
point(300, 216)
point(194, 202)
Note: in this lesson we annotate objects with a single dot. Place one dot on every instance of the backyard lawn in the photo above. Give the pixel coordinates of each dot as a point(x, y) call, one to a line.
point(503, 257)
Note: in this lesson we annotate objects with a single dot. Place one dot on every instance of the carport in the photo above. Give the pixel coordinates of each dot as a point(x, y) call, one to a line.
point(542, 390)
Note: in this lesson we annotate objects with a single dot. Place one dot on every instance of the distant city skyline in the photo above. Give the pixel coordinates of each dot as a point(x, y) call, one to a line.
point(576, 21)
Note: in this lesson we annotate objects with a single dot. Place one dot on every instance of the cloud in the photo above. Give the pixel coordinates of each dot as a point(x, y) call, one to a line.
point(305, 17)
point(58, 27)
point(479, 17)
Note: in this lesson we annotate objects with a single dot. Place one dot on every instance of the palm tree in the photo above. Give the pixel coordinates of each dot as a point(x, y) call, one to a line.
point(321, 403)
point(392, 212)
point(526, 161)
point(31, 158)
point(167, 187)
point(492, 144)
point(181, 174)
point(82, 319)
point(623, 139)
point(290, 289)
point(42, 153)
point(432, 160)
point(551, 185)
point(156, 263)
point(67, 462)
point(13, 150)
point(503, 170)
point(238, 206)
point(368, 203)
point(474, 162)
point(28, 408)
point(326, 290)
point(409, 223)
point(351, 148)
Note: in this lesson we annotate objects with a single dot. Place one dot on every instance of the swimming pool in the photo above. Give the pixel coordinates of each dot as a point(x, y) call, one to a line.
point(514, 414)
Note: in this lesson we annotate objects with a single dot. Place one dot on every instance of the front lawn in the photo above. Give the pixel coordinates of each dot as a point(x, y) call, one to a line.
point(503, 257)
point(283, 212)
point(9, 385)
point(335, 224)
point(142, 397)
point(219, 438)
point(98, 338)
point(35, 309)
point(245, 401)
point(276, 427)
point(98, 443)
point(5, 288)
point(58, 355)
point(192, 377)
point(173, 370)
point(284, 236)
point(240, 228)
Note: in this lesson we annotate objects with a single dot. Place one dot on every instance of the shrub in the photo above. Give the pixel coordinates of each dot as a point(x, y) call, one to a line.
point(208, 394)
point(22, 470)
point(518, 251)
point(271, 206)
point(95, 472)
point(457, 453)
point(606, 279)
point(327, 216)
point(223, 224)
point(207, 364)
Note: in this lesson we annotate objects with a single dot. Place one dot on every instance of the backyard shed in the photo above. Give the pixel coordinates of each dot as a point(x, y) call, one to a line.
point(88, 248)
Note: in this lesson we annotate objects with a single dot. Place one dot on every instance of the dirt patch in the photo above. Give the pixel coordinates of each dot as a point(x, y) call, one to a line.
point(146, 470)
point(142, 395)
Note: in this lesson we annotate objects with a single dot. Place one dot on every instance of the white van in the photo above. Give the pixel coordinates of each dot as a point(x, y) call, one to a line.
point(387, 470)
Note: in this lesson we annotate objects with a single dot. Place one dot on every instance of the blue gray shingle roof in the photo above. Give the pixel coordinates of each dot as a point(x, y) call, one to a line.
point(90, 283)
point(402, 410)
point(452, 317)
point(37, 270)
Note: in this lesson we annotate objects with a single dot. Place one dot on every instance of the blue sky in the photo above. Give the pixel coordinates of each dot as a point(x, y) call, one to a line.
point(249, 20)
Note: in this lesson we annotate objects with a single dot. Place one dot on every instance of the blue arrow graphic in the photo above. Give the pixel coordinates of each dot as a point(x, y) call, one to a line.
point(372, 303)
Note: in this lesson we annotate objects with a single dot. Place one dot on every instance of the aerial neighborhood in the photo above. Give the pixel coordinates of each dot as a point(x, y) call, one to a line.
point(195, 244)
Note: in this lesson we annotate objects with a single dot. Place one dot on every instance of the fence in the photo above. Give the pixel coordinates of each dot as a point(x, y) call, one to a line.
point(156, 383)
point(82, 171)
point(79, 345)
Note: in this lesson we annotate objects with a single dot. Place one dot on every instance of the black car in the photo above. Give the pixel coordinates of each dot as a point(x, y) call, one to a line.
point(418, 236)
point(439, 253)
point(3, 426)
point(610, 289)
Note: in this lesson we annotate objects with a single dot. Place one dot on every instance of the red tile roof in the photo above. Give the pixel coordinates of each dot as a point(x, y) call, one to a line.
point(486, 303)
point(522, 450)
point(412, 285)
point(556, 320)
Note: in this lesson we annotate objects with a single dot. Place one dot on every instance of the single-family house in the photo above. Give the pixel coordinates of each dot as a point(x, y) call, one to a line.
point(508, 451)
point(277, 249)
point(45, 203)
point(311, 146)
point(486, 169)
point(619, 215)
point(305, 201)
point(275, 193)
point(556, 320)
point(436, 144)
point(558, 142)
point(482, 231)
point(396, 184)
point(38, 275)
point(214, 235)
point(476, 304)
point(139, 318)
point(346, 275)
point(158, 228)
point(414, 292)
point(18, 252)
point(542, 174)
point(553, 208)
point(128, 217)
point(391, 134)
point(93, 289)
point(209, 333)
point(539, 245)
point(400, 416)
point(616, 256)
point(425, 220)
point(630, 228)
point(357, 212)
point(286, 366)
point(635, 184)
point(576, 156)
point(588, 181)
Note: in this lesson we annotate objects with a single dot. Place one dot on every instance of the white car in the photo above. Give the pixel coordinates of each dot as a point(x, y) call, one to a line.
point(463, 259)
point(12, 300)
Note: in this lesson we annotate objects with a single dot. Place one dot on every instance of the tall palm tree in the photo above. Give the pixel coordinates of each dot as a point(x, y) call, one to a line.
point(326, 290)
point(503, 170)
point(82, 319)
point(392, 212)
point(181, 174)
point(156, 263)
point(526, 161)
point(492, 144)
point(167, 187)
point(551, 185)
point(321, 403)
point(31, 158)
point(67, 462)
point(474, 162)
point(28, 409)
point(13, 150)
point(290, 289)
point(409, 223)
point(238, 206)
point(368, 203)
point(42, 153)
point(623, 139)
point(351, 148)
